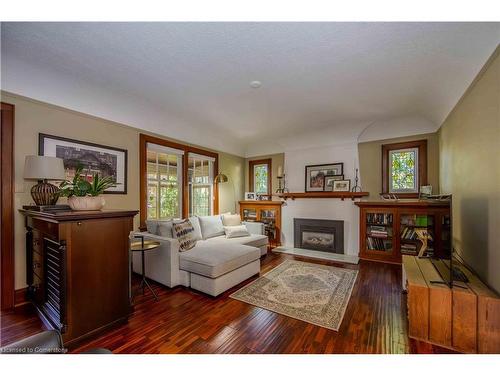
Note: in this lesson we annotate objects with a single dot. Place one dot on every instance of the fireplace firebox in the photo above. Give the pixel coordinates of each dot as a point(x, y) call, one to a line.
point(320, 235)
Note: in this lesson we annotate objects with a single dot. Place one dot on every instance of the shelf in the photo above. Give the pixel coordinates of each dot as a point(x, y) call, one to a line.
point(325, 194)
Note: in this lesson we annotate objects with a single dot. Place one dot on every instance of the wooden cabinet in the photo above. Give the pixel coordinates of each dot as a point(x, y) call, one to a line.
point(267, 212)
point(387, 229)
point(78, 269)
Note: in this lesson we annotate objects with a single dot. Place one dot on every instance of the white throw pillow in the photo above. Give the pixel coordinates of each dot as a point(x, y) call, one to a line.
point(165, 228)
point(152, 226)
point(230, 220)
point(211, 226)
point(197, 228)
point(236, 231)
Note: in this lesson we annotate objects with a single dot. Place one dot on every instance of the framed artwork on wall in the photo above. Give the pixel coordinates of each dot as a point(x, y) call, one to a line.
point(95, 158)
point(342, 185)
point(329, 181)
point(315, 175)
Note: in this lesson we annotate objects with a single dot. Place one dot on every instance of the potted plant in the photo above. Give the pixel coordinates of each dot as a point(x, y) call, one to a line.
point(84, 195)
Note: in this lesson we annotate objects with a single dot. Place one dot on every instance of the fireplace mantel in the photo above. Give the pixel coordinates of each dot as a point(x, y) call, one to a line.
point(325, 194)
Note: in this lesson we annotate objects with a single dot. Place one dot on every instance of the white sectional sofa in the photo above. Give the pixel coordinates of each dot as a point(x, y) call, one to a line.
point(213, 266)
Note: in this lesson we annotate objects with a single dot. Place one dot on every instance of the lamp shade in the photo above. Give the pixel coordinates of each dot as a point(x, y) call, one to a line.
point(220, 178)
point(43, 168)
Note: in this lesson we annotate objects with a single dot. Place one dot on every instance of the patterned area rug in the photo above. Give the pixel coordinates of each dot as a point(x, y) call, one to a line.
point(314, 293)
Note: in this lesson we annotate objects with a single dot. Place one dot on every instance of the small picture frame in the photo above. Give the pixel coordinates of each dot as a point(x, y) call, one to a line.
point(342, 185)
point(250, 196)
point(329, 180)
point(264, 197)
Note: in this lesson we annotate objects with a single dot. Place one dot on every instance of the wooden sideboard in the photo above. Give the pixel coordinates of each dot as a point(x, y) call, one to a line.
point(394, 218)
point(78, 269)
point(465, 318)
point(267, 212)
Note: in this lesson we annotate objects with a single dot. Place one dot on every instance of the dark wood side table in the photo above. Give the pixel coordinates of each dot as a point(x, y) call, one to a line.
point(144, 246)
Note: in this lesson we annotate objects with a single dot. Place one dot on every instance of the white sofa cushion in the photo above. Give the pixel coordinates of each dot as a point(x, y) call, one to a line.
point(230, 220)
point(236, 231)
point(196, 225)
point(165, 228)
point(152, 226)
point(211, 226)
point(255, 240)
point(213, 261)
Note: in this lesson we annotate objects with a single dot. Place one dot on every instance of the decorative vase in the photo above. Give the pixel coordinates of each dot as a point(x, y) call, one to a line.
point(86, 203)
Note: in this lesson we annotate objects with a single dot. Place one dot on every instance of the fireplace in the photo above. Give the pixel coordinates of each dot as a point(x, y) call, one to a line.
point(320, 235)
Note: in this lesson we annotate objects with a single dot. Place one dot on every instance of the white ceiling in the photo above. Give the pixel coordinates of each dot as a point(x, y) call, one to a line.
point(190, 81)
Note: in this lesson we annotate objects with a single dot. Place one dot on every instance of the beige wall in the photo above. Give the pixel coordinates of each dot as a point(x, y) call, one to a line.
point(469, 142)
point(370, 162)
point(277, 160)
point(33, 117)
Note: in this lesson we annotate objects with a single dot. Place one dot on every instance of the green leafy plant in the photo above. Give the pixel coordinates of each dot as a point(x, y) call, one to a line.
point(80, 187)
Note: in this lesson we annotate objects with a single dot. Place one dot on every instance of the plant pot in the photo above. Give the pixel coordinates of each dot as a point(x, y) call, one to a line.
point(86, 203)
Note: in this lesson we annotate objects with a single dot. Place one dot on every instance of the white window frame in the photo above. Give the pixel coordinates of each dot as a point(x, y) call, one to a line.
point(211, 163)
point(157, 181)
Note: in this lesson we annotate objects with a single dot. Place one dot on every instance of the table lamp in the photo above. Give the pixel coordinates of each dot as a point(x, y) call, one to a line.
point(43, 168)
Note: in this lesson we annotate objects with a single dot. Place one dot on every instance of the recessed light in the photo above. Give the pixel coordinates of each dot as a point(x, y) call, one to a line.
point(255, 84)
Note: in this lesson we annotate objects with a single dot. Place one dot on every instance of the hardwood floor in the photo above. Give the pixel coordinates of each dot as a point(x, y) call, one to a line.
point(185, 321)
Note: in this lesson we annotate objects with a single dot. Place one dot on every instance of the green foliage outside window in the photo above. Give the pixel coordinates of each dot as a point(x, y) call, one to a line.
point(403, 170)
point(260, 179)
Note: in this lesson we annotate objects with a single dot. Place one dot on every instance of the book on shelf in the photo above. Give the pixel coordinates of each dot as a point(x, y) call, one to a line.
point(385, 219)
point(410, 233)
point(417, 220)
point(378, 244)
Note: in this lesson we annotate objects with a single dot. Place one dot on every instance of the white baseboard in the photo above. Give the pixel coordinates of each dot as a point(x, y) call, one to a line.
point(343, 258)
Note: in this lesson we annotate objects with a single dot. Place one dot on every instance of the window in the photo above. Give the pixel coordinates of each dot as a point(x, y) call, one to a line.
point(176, 180)
point(200, 177)
point(260, 176)
point(404, 168)
point(164, 180)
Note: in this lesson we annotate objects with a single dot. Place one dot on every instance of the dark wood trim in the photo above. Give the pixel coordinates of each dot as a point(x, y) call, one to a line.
point(144, 139)
point(422, 164)
point(251, 165)
point(7, 299)
point(42, 136)
point(61, 216)
point(325, 194)
point(21, 297)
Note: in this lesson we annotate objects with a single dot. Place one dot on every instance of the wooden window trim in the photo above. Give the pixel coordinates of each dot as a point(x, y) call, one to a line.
point(421, 145)
point(144, 139)
point(7, 300)
point(251, 165)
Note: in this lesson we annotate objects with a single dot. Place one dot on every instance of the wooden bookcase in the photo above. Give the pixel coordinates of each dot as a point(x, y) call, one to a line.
point(399, 220)
point(267, 212)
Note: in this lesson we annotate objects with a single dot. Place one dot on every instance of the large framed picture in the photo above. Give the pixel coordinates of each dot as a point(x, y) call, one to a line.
point(315, 175)
point(104, 160)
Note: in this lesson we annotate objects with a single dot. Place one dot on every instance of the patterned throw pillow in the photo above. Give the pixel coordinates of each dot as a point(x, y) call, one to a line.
point(184, 232)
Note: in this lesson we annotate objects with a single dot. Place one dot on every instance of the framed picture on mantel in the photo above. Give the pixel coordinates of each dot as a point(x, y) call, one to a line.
point(315, 175)
point(94, 158)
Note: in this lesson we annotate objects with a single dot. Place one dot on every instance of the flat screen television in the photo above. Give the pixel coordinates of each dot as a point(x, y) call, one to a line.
point(442, 257)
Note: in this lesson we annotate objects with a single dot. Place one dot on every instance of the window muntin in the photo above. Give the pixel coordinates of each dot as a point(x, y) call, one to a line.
point(403, 170)
point(200, 181)
point(164, 181)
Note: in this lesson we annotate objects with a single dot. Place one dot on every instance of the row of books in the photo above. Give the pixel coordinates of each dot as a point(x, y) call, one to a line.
point(413, 249)
point(409, 233)
point(378, 244)
point(417, 220)
point(378, 231)
point(379, 218)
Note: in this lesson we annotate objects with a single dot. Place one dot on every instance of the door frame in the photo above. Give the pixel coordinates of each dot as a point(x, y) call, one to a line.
point(7, 299)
